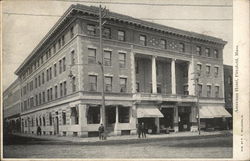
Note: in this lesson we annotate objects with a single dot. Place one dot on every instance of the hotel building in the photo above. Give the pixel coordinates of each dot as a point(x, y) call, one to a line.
point(150, 74)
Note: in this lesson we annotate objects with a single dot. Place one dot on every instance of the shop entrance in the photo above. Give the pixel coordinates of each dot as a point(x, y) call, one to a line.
point(149, 123)
point(110, 117)
point(168, 120)
point(184, 118)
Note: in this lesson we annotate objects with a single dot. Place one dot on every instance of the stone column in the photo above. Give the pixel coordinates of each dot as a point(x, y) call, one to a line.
point(193, 119)
point(133, 75)
point(154, 81)
point(83, 120)
point(191, 75)
point(157, 123)
point(133, 119)
point(176, 119)
point(173, 81)
point(116, 121)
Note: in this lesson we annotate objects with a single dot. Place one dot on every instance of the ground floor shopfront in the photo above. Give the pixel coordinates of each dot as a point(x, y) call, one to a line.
point(82, 118)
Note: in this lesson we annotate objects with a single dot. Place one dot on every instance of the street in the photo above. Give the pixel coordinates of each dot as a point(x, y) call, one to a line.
point(202, 147)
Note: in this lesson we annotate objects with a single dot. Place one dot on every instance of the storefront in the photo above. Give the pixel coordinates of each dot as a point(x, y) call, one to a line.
point(214, 117)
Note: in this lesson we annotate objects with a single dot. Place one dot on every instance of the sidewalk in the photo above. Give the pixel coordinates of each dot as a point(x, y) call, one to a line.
point(127, 138)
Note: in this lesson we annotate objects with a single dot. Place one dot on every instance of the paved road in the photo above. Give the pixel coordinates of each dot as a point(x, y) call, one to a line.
point(205, 147)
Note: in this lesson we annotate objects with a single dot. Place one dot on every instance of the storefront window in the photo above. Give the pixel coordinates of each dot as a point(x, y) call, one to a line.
point(124, 114)
point(74, 115)
point(93, 116)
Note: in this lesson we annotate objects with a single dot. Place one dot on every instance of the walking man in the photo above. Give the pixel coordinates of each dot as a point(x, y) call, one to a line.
point(101, 132)
point(139, 130)
point(143, 129)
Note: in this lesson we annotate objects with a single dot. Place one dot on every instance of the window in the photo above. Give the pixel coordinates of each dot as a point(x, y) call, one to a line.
point(217, 91)
point(107, 33)
point(55, 92)
point(36, 96)
point(121, 35)
point(47, 71)
point(124, 113)
point(143, 40)
point(59, 43)
point(60, 66)
point(65, 88)
point(92, 82)
point(72, 32)
point(54, 50)
point(31, 102)
point(93, 116)
point(182, 47)
point(216, 54)
point(198, 50)
point(91, 29)
point(48, 95)
point(51, 94)
point(50, 119)
point(122, 60)
point(73, 57)
point(107, 58)
point(43, 97)
point(73, 84)
point(185, 90)
point(108, 84)
point(207, 52)
point(63, 40)
point(92, 56)
point(137, 87)
point(40, 98)
point(158, 88)
point(31, 85)
point(199, 67)
point(163, 44)
point(44, 122)
point(61, 89)
point(123, 84)
point(216, 71)
point(208, 69)
point(64, 64)
point(64, 117)
point(208, 90)
point(50, 73)
point(43, 78)
point(199, 89)
point(74, 115)
point(137, 66)
point(55, 70)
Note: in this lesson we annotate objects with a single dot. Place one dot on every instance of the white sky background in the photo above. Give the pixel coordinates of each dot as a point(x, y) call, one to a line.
point(21, 33)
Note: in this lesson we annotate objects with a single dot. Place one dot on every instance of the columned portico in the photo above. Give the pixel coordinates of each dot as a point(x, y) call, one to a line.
point(154, 79)
point(173, 81)
point(116, 121)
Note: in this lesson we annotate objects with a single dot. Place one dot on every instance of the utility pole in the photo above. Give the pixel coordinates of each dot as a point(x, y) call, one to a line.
point(198, 99)
point(102, 14)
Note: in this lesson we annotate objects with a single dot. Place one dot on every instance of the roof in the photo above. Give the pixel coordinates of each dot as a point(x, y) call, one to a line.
point(123, 18)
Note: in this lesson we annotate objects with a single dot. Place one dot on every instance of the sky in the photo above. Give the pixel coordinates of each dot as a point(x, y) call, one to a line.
point(25, 23)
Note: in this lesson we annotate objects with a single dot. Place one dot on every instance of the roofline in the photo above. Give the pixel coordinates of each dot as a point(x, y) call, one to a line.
point(64, 16)
point(94, 10)
point(13, 84)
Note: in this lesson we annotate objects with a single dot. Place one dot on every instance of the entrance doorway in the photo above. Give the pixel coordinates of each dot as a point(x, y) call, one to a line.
point(168, 120)
point(184, 118)
point(149, 123)
point(110, 117)
point(56, 126)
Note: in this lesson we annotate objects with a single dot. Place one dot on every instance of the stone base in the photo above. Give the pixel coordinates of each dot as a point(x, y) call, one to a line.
point(133, 132)
point(176, 129)
point(194, 128)
point(83, 134)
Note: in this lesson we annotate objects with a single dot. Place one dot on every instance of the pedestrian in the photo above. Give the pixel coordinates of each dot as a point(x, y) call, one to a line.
point(139, 130)
point(101, 132)
point(39, 130)
point(143, 129)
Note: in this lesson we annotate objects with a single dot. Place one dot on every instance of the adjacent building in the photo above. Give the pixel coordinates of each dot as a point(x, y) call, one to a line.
point(12, 108)
point(149, 74)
